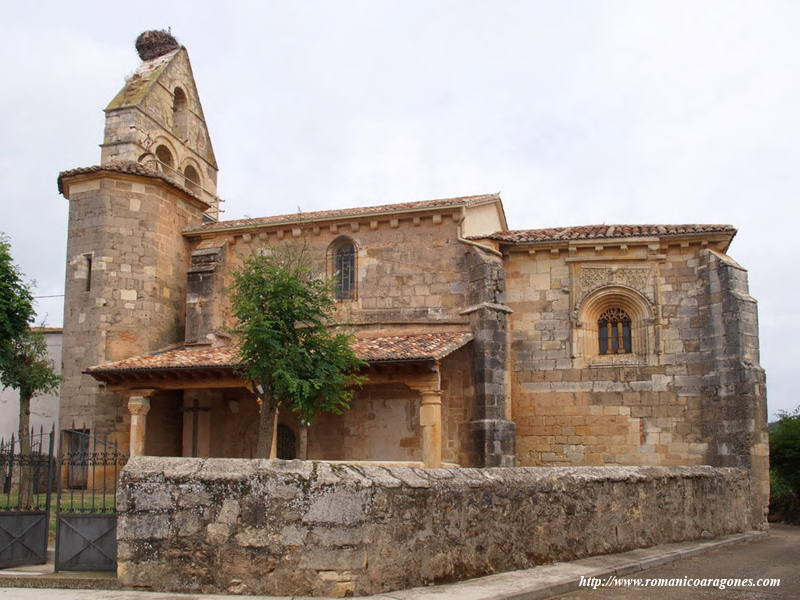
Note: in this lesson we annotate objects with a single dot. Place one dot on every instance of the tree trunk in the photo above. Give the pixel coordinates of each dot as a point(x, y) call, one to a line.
point(25, 468)
point(266, 426)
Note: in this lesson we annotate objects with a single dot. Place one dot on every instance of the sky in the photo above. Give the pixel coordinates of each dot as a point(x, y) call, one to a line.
point(577, 112)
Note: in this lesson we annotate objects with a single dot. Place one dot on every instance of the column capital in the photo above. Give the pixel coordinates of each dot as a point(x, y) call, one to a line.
point(142, 393)
point(430, 396)
point(139, 405)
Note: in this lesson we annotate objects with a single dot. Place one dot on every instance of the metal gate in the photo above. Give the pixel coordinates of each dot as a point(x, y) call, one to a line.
point(26, 482)
point(86, 507)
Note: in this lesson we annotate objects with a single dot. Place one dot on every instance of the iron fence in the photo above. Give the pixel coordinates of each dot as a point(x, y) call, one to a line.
point(27, 472)
point(27, 476)
point(86, 505)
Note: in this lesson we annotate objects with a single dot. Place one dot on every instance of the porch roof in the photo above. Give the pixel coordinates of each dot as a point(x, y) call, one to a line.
point(379, 349)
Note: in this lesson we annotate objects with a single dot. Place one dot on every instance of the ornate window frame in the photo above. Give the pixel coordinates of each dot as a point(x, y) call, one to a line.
point(635, 305)
point(631, 286)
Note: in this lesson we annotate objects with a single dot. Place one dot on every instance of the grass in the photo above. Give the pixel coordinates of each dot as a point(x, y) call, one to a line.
point(71, 501)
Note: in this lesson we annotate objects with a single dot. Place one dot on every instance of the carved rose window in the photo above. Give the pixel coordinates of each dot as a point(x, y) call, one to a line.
point(614, 331)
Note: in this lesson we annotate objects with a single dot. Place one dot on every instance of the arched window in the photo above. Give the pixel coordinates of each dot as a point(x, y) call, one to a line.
point(164, 155)
point(192, 179)
point(614, 332)
point(179, 113)
point(614, 325)
point(287, 444)
point(344, 269)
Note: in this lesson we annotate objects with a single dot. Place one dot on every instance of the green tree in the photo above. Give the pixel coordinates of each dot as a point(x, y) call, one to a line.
point(24, 363)
point(16, 300)
point(288, 351)
point(784, 459)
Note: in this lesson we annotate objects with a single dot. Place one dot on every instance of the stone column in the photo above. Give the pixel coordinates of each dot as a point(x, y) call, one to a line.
point(430, 418)
point(139, 406)
point(273, 451)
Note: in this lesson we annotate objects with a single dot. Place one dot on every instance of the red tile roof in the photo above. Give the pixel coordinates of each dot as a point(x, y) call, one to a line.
point(321, 215)
point(423, 346)
point(588, 232)
point(124, 166)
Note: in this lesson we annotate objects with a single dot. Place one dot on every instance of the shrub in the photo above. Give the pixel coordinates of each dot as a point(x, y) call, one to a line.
point(784, 441)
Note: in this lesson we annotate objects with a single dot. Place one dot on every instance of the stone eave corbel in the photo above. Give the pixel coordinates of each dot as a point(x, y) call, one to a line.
point(488, 306)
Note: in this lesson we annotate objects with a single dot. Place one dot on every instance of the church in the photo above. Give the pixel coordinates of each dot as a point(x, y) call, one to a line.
point(487, 346)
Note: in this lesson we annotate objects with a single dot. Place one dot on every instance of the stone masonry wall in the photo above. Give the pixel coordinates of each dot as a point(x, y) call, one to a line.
point(411, 270)
point(134, 299)
point(571, 409)
point(295, 527)
point(413, 275)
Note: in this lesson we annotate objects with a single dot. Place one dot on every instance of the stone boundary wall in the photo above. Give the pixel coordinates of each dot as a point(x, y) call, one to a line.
point(313, 528)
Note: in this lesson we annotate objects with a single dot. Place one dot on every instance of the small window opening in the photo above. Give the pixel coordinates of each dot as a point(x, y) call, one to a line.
point(179, 113)
point(164, 155)
point(87, 266)
point(192, 179)
point(345, 269)
point(614, 329)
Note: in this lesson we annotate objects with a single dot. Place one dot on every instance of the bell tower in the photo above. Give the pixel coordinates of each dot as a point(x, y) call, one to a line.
point(125, 290)
point(156, 119)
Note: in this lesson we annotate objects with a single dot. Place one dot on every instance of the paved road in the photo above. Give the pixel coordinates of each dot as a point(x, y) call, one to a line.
point(773, 556)
point(776, 556)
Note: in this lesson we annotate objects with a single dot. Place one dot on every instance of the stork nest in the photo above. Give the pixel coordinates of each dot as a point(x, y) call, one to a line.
point(154, 43)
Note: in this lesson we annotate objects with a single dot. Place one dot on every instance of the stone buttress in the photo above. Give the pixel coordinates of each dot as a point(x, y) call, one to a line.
point(492, 433)
point(735, 409)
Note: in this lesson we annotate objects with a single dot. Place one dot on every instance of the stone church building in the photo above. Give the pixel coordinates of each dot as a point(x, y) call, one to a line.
point(487, 346)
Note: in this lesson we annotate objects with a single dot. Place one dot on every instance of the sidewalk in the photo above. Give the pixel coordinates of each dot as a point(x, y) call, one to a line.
point(531, 584)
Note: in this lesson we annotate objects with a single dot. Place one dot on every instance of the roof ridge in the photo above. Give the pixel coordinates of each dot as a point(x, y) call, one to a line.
point(607, 231)
point(345, 212)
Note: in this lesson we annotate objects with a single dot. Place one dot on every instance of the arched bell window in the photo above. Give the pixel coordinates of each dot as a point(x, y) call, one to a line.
point(164, 156)
point(614, 332)
point(344, 268)
point(192, 179)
